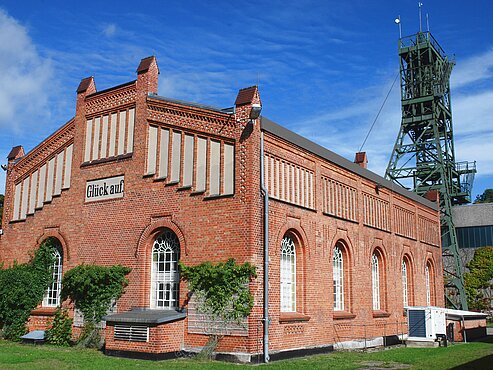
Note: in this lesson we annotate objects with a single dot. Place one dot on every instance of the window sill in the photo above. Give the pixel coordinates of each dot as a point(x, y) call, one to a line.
point(44, 311)
point(342, 315)
point(218, 196)
point(116, 158)
point(381, 314)
point(286, 317)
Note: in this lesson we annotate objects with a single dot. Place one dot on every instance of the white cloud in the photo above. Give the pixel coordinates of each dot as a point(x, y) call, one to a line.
point(110, 30)
point(24, 79)
point(26, 86)
point(472, 112)
point(474, 69)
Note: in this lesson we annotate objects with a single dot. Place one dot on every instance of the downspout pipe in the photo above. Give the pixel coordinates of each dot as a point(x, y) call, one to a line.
point(265, 194)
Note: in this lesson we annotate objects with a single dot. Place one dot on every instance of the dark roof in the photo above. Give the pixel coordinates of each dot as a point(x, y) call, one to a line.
point(190, 104)
point(284, 133)
point(14, 152)
point(246, 95)
point(145, 64)
point(471, 215)
point(146, 316)
point(84, 84)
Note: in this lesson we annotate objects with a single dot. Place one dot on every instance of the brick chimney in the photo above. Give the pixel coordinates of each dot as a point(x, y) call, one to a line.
point(432, 195)
point(361, 159)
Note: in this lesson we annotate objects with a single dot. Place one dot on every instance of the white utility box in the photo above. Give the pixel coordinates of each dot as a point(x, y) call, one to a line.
point(426, 323)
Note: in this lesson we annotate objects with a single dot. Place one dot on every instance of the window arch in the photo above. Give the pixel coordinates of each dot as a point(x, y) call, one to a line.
point(430, 284)
point(375, 281)
point(407, 281)
point(51, 297)
point(288, 274)
point(339, 277)
point(378, 280)
point(165, 278)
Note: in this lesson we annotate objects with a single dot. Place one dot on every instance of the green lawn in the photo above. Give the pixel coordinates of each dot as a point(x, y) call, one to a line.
point(18, 356)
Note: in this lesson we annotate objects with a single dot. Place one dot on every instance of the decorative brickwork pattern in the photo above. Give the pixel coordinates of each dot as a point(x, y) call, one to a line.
point(101, 102)
point(376, 212)
point(289, 182)
point(429, 231)
point(405, 222)
point(340, 200)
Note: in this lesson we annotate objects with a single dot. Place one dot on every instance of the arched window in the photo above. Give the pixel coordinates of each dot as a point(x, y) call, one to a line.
point(338, 279)
point(405, 296)
point(51, 297)
point(429, 284)
point(375, 281)
point(288, 274)
point(165, 279)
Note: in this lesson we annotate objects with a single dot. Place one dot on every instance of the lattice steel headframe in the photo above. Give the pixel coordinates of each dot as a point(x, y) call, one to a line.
point(423, 157)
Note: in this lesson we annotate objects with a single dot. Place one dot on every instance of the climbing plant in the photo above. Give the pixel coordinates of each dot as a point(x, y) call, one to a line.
point(222, 286)
point(60, 333)
point(479, 279)
point(222, 293)
point(92, 288)
point(22, 287)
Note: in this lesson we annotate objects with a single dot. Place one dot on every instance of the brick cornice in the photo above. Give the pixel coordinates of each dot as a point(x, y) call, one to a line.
point(215, 123)
point(61, 138)
point(111, 98)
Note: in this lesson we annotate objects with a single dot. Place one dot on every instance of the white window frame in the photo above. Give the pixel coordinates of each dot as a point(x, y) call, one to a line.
point(51, 297)
point(375, 281)
point(288, 274)
point(427, 282)
point(165, 277)
point(338, 279)
point(405, 297)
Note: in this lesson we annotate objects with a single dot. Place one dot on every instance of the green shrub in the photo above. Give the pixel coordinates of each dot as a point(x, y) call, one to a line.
point(22, 287)
point(60, 333)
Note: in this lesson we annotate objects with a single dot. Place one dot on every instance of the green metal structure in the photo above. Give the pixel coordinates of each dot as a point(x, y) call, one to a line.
point(423, 157)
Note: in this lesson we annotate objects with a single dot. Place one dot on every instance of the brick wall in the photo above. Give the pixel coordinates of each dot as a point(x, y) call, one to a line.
point(122, 231)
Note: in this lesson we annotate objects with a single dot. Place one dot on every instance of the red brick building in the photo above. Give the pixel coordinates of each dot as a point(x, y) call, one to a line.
point(144, 181)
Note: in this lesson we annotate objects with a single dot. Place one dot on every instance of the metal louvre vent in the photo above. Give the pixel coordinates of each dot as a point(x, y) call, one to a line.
point(417, 323)
point(132, 333)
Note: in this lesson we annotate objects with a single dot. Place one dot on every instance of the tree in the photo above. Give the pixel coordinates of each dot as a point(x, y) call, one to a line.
point(479, 279)
point(1, 208)
point(486, 197)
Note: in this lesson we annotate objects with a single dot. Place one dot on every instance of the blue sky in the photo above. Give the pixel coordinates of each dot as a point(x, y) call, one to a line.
point(323, 67)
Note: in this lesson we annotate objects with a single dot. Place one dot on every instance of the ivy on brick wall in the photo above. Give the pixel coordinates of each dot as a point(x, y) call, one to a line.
point(222, 288)
point(222, 294)
point(22, 287)
point(92, 288)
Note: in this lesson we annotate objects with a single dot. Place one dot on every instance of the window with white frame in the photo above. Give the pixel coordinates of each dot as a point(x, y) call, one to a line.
point(288, 274)
point(427, 282)
point(51, 297)
point(165, 278)
point(375, 281)
point(338, 279)
point(405, 298)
